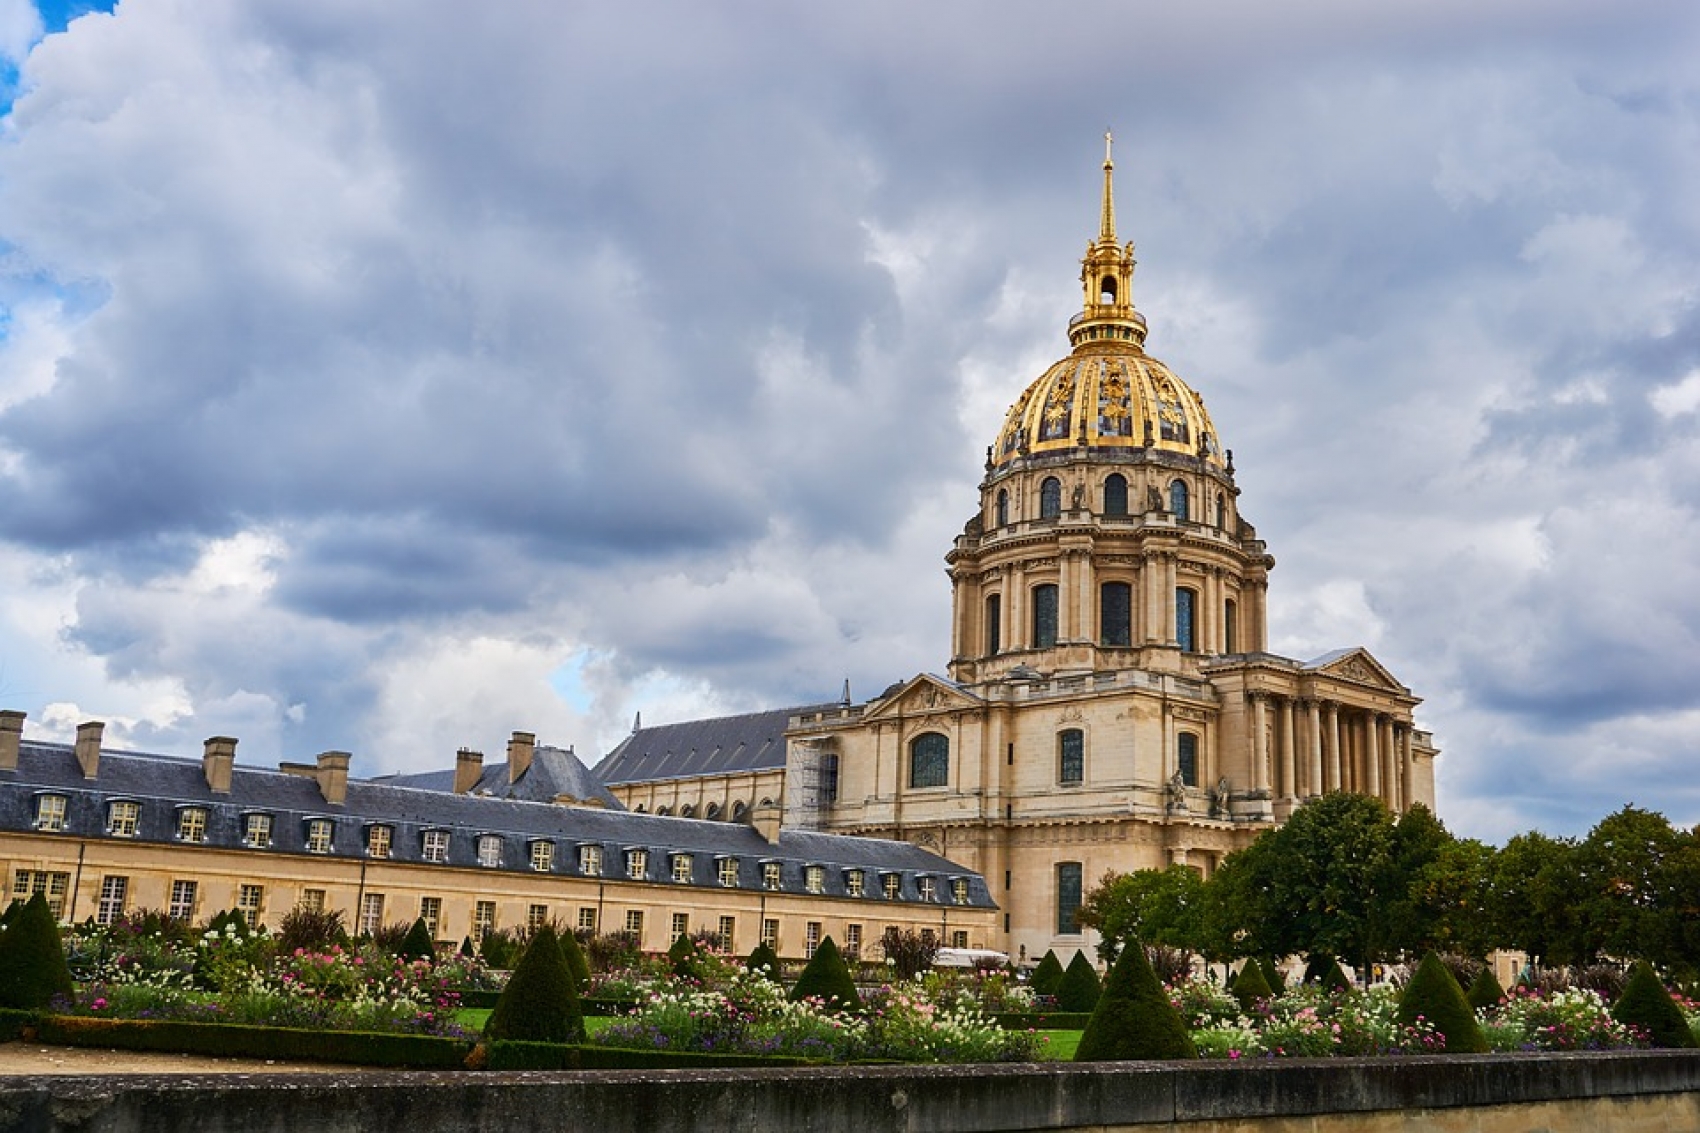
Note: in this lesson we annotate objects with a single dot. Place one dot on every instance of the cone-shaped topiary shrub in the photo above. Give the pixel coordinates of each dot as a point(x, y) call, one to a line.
point(1647, 1004)
point(1272, 973)
point(32, 958)
point(1316, 967)
point(540, 1003)
point(1079, 987)
point(764, 961)
point(228, 920)
point(828, 979)
point(1336, 979)
point(1251, 985)
point(573, 954)
point(683, 954)
point(418, 945)
point(1047, 975)
point(1433, 994)
point(1134, 1018)
point(1486, 992)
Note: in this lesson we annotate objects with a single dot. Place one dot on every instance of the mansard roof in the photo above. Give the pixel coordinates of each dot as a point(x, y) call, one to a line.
point(555, 773)
point(754, 741)
point(164, 785)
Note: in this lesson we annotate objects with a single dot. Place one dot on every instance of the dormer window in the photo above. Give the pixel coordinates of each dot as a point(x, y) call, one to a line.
point(542, 856)
point(727, 871)
point(434, 846)
point(50, 812)
point(378, 840)
point(637, 864)
point(854, 882)
point(814, 879)
point(319, 835)
point(959, 890)
point(928, 888)
point(257, 831)
point(682, 868)
point(590, 860)
point(893, 885)
point(770, 875)
point(489, 850)
point(192, 824)
point(122, 817)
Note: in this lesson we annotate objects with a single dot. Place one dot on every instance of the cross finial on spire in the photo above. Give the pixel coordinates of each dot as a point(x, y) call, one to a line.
point(1107, 221)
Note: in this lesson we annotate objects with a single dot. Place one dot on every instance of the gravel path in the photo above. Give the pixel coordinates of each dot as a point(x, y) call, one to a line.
point(36, 1059)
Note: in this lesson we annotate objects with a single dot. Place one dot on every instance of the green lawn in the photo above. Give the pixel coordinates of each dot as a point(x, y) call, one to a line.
point(1058, 1045)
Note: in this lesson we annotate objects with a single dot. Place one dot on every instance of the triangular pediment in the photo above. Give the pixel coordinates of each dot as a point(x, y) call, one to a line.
point(1357, 665)
point(924, 693)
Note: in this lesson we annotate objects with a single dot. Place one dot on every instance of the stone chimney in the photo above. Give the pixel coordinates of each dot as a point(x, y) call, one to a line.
point(765, 817)
point(11, 732)
point(332, 775)
point(520, 750)
point(88, 747)
point(219, 758)
point(469, 767)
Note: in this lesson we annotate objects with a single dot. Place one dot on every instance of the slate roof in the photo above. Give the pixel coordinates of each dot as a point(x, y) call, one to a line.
point(553, 772)
point(754, 741)
point(164, 785)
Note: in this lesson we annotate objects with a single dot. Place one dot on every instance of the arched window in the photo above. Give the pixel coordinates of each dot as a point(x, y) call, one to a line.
point(1044, 616)
point(994, 624)
point(664, 811)
point(1221, 511)
point(1186, 601)
point(1178, 499)
point(687, 811)
point(1186, 758)
point(1230, 626)
point(929, 760)
point(1002, 514)
point(1115, 494)
point(1071, 756)
point(712, 813)
point(1107, 290)
point(640, 808)
point(740, 811)
point(1115, 613)
point(1050, 498)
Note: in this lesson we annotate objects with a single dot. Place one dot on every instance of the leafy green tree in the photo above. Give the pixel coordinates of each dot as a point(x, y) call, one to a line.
point(826, 977)
point(1455, 894)
point(1400, 921)
point(1625, 897)
point(1134, 1018)
point(32, 957)
point(1534, 881)
point(540, 1002)
point(1157, 906)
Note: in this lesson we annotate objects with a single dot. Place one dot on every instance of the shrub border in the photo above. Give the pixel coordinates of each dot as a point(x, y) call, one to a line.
point(360, 1048)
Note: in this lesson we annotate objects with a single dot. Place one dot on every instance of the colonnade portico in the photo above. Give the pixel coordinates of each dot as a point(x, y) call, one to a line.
point(1304, 746)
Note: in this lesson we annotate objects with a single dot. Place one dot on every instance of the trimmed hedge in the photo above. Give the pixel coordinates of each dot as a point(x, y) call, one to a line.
point(1434, 995)
point(1047, 974)
point(1134, 1018)
point(1485, 992)
point(32, 958)
point(828, 979)
point(1251, 985)
point(1646, 1003)
point(12, 1023)
point(1079, 987)
point(504, 1055)
point(229, 1040)
point(540, 1003)
point(1042, 1020)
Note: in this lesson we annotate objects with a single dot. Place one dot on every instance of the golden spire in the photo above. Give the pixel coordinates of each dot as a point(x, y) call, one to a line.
point(1107, 222)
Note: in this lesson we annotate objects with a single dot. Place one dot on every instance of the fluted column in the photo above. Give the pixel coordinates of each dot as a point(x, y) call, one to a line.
point(1331, 740)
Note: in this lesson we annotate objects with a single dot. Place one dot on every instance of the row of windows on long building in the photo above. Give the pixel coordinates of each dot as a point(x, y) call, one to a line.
point(1115, 618)
point(491, 851)
point(1115, 501)
point(376, 909)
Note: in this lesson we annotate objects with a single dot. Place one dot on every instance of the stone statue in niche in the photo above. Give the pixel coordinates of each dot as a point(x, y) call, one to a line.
point(1219, 799)
point(1153, 498)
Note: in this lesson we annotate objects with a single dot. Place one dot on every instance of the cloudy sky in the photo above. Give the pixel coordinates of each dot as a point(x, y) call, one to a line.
point(391, 380)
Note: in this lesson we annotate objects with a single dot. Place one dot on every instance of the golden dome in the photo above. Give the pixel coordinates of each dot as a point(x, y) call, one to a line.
point(1108, 394)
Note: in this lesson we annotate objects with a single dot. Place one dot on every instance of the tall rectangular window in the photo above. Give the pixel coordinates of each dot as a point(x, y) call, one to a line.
point(853, 941)
point(959, 890)
point(811, 938)
point(587, 918)
point(50, 812)
point(192, 824)
point(634, 923)
point(770, 875)
point(929, 760)
point(182, 906)
point(1231, 626)
point(536, 917)
point(959, 938)
point(1071, 756)
point(121, 819)
point(431, 912)
point(770, 932)
point(814, 878)
point(1185, 602)
point(681, 925)
point(112, 893)
point(249, 899)
point(893, 885)
point(1068, 898)
point(994, 624)
point(829, 778)
point(371, 914)
point(483, 919)
point(435, 846)
point(312, 900)
point(1186, 758)
point(727, 931)
point(928, 888)
point(26, 883)
point(1044, 616)
point(1115, 614)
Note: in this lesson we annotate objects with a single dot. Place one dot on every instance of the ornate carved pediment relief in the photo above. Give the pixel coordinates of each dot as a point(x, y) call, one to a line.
point(924, 694)
point(1357, 665)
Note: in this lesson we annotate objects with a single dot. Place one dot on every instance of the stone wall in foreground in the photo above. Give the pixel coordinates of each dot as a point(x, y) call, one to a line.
point(1590, 1093)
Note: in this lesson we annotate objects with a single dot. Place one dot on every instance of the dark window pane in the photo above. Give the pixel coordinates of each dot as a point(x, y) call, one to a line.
point(1231, 627)
point(1115, 613)
point(1187, 759)
point(994, 624)
point(1044, 616)
point(1115, 494)
point(1178, 499)
point(1003, 508)
point(1184, 600)
point(1071, 756)
point(1050, 498)
point(929, 761)
point(1068, 898)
